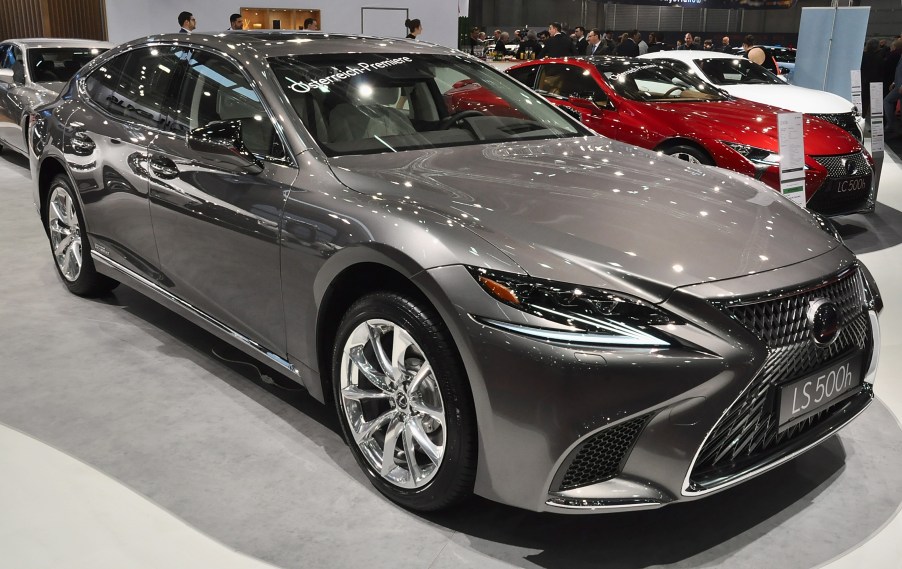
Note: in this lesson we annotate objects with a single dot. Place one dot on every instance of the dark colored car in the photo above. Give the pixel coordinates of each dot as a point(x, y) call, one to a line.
point(32, 73)
point(656, 105)
point(504, 304)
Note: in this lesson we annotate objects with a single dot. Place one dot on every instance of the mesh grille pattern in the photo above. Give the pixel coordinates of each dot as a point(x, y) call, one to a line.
point(836, 165)
point(845, 121)
point(831, 198)
point(599, 458)
point(749, 428)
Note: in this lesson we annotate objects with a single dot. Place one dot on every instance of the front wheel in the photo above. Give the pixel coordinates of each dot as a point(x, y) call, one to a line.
point(69, 243)
point(690, 154)
point(404, 403)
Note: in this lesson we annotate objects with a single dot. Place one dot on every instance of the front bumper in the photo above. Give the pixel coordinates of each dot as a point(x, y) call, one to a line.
point(632, 420)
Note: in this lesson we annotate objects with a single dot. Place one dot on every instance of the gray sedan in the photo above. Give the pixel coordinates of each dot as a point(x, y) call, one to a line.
point(32, 72)
point(494, 299)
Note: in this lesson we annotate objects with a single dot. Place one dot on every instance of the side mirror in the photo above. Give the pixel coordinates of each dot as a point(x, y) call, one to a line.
point(6, 76)
point(220, 143)
point(591, 102)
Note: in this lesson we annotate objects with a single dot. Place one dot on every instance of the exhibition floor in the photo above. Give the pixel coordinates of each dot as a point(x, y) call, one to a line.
point(131, 438)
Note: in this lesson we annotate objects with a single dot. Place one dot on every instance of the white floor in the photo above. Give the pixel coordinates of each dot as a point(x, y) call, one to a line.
point(58, 512)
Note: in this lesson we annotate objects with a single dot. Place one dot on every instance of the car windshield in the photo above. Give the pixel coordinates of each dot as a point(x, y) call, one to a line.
point(372, 103)
point(656, 81)
point(52, 64)
point(738, 71)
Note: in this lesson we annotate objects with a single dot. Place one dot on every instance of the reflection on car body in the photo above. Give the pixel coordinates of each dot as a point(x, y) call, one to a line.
point(659, 105)
point(32, 72)
point(494, 302)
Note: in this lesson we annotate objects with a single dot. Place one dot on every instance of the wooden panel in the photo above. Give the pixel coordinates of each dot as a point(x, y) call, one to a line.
point(53, 18)
point(20, 19)
point(77, 19)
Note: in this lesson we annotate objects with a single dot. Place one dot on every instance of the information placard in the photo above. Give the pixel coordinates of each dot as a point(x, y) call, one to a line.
point(876, 117)
point(792, 156)
point(856, 89)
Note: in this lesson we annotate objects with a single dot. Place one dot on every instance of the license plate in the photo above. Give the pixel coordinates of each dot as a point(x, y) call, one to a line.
point(852, 186)
point(805, 397)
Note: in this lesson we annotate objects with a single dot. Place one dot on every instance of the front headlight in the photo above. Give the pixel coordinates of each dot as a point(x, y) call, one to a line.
point(754, 154)
point(586, 315)
point(872, 297)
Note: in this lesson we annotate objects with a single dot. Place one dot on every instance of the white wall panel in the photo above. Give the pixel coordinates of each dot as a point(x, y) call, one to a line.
point(128, 19)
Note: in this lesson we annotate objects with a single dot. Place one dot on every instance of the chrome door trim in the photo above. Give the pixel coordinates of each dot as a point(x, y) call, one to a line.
point(255, 348)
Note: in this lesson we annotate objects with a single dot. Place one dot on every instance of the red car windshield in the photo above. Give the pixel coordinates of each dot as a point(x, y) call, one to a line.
point(655, 81)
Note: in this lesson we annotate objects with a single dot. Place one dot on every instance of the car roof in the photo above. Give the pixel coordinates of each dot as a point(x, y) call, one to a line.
point(59, 42)
point(275, 43)
point(689, 55)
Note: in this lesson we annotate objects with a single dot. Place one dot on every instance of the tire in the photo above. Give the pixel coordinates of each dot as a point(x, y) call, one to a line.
point(689, 153)
point(427, 415)
point(69, 244)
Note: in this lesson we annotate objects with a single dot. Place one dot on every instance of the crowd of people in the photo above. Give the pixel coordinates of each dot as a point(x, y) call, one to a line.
point(556, 41)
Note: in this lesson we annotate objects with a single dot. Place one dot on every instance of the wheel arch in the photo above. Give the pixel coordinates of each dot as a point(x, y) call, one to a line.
point(683, 141)
point(49, 169)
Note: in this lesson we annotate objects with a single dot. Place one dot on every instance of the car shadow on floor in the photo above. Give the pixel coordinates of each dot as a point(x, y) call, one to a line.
point(866, 233)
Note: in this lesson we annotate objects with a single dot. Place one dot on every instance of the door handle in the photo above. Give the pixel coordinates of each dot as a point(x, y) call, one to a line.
point(164, 167)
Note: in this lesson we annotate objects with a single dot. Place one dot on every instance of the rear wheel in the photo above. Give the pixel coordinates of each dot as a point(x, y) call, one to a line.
point(404, 403)
point(69, 244)
point(689, 153)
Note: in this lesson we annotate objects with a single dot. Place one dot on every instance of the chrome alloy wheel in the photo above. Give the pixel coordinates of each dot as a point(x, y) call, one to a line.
point(65, 234)
point(391, 400)
point(687, 157)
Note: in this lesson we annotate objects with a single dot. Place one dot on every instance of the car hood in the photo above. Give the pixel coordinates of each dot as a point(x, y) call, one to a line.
point(597, 212)
point(747, 122)
point(792, 97)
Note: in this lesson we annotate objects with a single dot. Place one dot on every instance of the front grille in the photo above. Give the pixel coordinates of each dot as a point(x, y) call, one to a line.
point(601, 456)
point(748, 431)
point(845, 121)
point(836, 165)
point(847, 188)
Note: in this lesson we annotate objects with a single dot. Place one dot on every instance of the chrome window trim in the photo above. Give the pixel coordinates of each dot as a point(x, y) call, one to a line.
point(257, 348)
point(288, 160)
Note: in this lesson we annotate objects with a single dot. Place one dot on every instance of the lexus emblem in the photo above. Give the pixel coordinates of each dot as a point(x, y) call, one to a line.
point(823, 319)
point(850, 167)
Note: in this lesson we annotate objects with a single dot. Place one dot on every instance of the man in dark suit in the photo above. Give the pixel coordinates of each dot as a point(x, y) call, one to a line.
point(593, 42)
point(558, 44)
point(628, 47)
point(187, 22)
point(582, 42)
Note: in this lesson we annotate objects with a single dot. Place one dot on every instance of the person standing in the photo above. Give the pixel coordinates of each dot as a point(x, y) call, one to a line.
point(236, 22)
point(890, 63)
point(414, 28)
point(558, 44)
point(643, 47)
point(627, 45)
point(654, 45)
point(889, 104)
point(582, 43)
point(871, 71)
point(725, 46)
point(187, 22)
point(310, 25)
point(530, 47)
point(593, 42)
point(688, 42)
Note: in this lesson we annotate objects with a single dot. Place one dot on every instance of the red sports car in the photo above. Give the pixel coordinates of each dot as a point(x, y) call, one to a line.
point(654, 105)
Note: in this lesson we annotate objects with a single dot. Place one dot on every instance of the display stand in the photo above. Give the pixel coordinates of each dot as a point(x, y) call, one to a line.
point(792, 156)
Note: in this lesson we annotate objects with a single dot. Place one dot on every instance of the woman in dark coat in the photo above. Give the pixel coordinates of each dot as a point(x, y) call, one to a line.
point(871, 72)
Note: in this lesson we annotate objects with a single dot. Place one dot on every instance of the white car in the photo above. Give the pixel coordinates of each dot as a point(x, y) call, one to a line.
point(746, 80)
